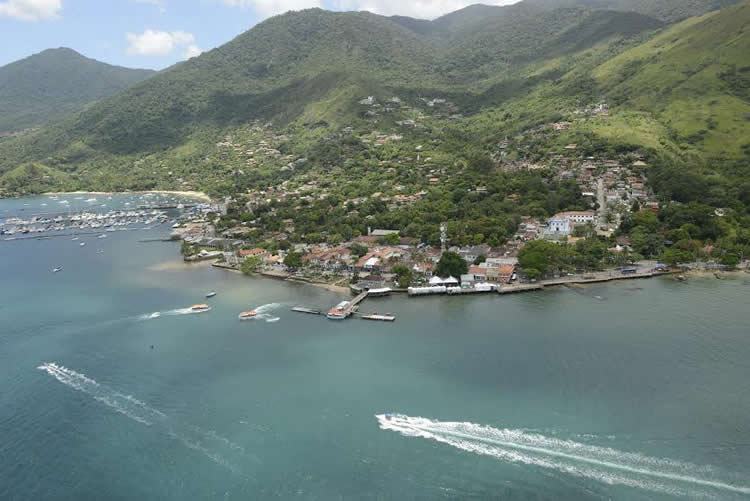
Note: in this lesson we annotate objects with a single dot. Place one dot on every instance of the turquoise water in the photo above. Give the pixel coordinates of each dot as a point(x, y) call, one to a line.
point(636, 390)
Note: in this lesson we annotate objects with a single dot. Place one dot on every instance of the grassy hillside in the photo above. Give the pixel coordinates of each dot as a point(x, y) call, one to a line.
point(694, 79)
point(495, 72)
point(55, 82)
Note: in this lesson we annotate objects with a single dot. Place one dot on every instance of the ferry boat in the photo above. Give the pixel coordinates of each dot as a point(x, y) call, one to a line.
point(248, 315)
point(211, 294)
point(199, 308)
point(340, 311)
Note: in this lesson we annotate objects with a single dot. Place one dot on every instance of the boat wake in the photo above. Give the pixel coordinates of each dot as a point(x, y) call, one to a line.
point(168, 313)
point(211, 445)
point(265, 312)
point(602, 464)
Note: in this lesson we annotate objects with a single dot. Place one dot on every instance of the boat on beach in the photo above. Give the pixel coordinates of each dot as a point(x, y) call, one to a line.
point(200, 308)
point(248, 315)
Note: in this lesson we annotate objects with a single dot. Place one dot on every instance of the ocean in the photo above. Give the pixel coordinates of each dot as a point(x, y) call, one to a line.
point(111, 389)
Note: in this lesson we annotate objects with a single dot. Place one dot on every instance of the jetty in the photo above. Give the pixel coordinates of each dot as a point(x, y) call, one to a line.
point(346, 309)
point(378, 317)
point(310, 311)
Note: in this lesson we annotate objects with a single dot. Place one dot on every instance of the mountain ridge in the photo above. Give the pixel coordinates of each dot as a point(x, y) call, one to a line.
point(54, 82)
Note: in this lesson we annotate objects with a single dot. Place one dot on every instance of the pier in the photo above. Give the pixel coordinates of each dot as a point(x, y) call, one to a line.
point(310, 311)
point(346, 309)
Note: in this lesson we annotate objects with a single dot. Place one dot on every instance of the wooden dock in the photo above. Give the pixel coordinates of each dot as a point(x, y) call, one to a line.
point(378, 317)
point(515, 289)
point(310, 311)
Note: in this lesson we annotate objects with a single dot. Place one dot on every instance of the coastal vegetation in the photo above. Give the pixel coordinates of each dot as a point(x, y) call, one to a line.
point(319, 126)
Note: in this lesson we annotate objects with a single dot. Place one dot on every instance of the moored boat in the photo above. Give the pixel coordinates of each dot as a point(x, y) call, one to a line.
point(340, 311)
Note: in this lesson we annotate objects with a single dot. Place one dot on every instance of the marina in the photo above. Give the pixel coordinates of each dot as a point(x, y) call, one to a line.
point(84, 221)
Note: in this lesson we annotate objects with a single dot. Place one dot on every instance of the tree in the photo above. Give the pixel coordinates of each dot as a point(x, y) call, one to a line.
point(358, 250)
point(451, 265)
point(250, 265)
point(293, 260)
point(676, 256)
point(391, 239)
point(480, 259)
point(730, 260)
point(404, 275)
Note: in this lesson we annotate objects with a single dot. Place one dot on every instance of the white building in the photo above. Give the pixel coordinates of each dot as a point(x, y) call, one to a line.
point(559, 226)
point(577, 217)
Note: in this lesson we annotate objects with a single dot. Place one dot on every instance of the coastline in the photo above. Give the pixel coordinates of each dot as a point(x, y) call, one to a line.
point(329, 287)
point(198, 195)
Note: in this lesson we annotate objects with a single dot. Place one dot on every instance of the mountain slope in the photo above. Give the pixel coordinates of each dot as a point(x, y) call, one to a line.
point(306, 72)
point(694, 78)
point(54, 82)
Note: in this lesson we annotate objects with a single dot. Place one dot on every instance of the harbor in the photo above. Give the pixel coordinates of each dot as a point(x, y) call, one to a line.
point(57, 223)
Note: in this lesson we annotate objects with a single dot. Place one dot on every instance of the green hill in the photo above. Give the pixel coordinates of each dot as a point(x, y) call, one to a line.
point(500, 69)
point(48, 85)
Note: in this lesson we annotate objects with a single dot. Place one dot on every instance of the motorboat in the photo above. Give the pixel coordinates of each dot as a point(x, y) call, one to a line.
point(211, 294)
point(200, 308)
point(248, 315)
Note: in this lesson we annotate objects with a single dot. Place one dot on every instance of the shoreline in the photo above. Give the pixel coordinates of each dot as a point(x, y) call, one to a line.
point(199, 195)
point(329, 287)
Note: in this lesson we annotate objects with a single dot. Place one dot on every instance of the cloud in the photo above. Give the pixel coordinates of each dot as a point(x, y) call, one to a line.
point(422, 9)
point(160, 43)
point(161, 4)
point(31, 10)
point(192, 51)
point(267, 8)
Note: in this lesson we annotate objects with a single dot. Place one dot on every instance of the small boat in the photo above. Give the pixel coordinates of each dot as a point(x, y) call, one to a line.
point(82, 244)
point(248, 315)
point(200, 308)
point(211, 294)
point(102, 236)
point(339, 312)
point(57, 270)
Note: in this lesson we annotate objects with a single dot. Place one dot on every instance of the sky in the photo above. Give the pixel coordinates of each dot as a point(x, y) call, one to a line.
point(158, 33)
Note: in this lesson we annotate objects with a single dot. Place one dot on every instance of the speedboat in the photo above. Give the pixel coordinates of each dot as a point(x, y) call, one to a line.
point(211, 294)
point(200, 308)
point(248, 315)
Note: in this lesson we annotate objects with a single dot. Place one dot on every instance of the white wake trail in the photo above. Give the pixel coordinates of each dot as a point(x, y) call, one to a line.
point(603, 464)
point(193, 437)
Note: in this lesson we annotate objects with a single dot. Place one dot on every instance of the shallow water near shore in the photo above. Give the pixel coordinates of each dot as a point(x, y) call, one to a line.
point(114, 389)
